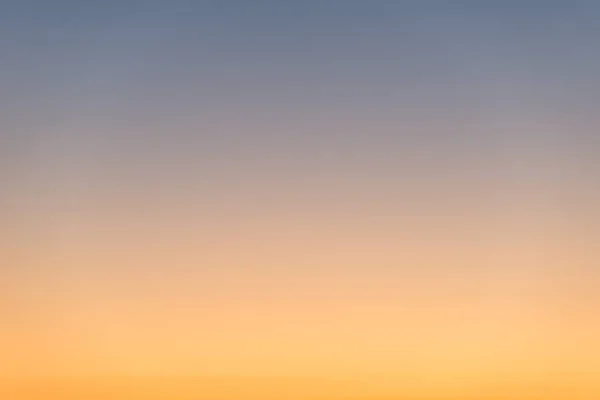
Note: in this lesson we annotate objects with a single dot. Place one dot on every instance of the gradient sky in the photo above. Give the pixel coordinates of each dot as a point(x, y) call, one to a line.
point(334, 188)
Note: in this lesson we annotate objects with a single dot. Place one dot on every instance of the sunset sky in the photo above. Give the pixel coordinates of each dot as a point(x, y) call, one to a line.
point(400, 193)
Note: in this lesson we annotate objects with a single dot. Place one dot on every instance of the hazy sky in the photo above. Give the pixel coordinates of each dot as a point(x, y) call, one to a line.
point(334, 187)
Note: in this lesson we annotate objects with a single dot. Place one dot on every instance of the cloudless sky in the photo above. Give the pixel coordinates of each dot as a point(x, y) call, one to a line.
point(319, 186)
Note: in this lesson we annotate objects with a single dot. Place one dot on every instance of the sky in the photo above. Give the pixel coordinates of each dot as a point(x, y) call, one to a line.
point(336, 189)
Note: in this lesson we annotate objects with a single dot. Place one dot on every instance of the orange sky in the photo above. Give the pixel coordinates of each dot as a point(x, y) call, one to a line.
point(322, 198)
